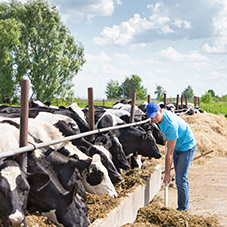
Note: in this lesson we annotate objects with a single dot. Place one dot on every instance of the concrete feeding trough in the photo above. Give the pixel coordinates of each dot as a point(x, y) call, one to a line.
point(126, 212)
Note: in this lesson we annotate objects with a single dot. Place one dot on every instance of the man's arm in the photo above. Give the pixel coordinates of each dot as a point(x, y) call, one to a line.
point(169, 159)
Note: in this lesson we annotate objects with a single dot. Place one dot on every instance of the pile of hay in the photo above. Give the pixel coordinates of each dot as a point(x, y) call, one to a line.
point(157, 215)
point(210, 131)
point(37, 220)
point(100, 205)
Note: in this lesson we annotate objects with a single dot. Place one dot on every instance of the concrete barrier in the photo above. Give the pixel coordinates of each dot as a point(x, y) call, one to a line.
point(126, 212)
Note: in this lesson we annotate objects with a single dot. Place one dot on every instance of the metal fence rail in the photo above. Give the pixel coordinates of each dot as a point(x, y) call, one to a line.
point(64, 139)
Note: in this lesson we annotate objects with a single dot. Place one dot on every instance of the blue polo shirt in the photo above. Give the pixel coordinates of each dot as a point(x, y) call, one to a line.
point(174, 127)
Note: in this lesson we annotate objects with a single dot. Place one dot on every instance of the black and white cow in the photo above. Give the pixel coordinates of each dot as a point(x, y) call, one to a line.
point(43, 131)
point(155, 131)
point(67, 130)
point(48, 196)
point(14, 190)
point(96, 168)
point(93, 172)
point(134, 140)
point(112, 143)
point(67, 123)
point(46, 191)
point(139, 114)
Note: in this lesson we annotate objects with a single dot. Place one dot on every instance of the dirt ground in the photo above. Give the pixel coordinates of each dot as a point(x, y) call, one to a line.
point(208, 189)
point(207, 175)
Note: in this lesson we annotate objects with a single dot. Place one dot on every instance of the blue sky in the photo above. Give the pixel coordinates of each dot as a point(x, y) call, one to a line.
point(170, 43)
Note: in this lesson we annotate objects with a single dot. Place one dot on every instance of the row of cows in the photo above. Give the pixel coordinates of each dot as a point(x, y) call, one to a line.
point(57, 177)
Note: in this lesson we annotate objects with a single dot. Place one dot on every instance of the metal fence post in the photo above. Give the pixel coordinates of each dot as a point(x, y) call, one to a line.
point(149, 99)
point(24, 110)
point(132, 116)
point(91, 109)
point(177, 107)
point(165, 101)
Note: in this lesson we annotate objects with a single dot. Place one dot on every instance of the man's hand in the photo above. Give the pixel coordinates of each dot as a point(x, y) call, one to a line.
point(167, 178)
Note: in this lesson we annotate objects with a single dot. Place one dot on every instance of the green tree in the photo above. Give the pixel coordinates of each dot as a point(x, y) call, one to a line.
point(211, 92)
point(9, 40)
point(159, 92)
point(188, 92)
point(47, 54)
point(206, 98)
point(133, 84)
point(112, 89)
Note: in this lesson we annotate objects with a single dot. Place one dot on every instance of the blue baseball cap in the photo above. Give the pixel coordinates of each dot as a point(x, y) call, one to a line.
point(152, 109)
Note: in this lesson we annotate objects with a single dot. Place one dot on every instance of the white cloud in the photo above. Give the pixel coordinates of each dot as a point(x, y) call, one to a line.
point(118, 2)
point(102, 57)
point(219, 45)
point(126, 31)
point(182, 24)
point(119, 35)
point(80, 9)
point(171, 54)
point(157, 24)
point(124, 59)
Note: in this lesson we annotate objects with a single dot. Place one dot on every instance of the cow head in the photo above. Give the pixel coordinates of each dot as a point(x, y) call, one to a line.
point(96, 179)
point(154, 130)
point(149, 147)
point(118, 154)
point(136, 140)
point(112, 143)
point(65, 208)
point(106, 159)
point(14, 190)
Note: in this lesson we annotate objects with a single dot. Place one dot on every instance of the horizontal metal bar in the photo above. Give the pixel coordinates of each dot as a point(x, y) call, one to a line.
point(64, 139)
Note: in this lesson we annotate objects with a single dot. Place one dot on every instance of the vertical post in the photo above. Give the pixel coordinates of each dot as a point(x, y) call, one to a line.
point(165, 101)
point(148, 98)
point(198, 102)
point(132, 116)
point(57, 102)
point(186, 101)
point(103, 102)
point(166, 183)
point(195, 101)
point(182, 101)
point(10, 101)
point(177, 102)
point(91, 109)
point(24, 111)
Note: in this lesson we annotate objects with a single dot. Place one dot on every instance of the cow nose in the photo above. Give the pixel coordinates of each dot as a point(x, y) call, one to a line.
point(16, 218)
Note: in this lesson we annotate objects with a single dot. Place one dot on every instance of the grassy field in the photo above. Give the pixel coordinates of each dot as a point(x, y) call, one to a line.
point(215, 107)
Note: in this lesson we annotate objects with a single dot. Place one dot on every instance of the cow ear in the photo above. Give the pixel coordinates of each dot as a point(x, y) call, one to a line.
point(80, 164)
point(38, 180)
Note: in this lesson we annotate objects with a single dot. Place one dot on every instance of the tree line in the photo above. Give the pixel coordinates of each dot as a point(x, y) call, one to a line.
point(115, 90)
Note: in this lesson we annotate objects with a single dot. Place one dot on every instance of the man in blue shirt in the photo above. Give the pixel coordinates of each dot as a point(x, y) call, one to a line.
point(181, 148)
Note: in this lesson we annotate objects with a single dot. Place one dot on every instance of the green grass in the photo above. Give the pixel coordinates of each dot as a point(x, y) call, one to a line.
point(215, 107)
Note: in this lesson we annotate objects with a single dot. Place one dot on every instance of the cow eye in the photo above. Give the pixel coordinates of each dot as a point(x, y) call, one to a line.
point(86, 171)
